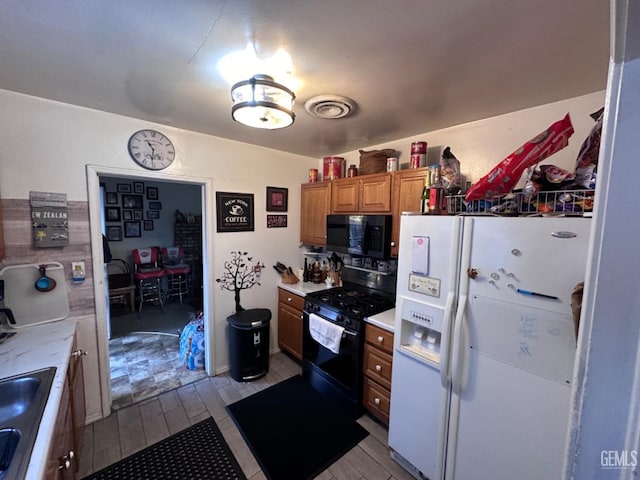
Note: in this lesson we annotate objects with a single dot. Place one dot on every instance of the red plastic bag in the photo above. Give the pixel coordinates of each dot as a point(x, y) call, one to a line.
point(504, 176)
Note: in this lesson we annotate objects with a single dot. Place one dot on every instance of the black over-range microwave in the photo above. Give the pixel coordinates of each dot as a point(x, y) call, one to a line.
point(368, 235)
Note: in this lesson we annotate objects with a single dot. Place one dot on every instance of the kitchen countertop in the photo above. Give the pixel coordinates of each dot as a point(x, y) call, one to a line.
point(384, 320)
point(33, 348)
point(302, 288)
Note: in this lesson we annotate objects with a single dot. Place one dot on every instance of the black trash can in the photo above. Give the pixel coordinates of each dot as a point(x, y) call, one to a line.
point(249, 344)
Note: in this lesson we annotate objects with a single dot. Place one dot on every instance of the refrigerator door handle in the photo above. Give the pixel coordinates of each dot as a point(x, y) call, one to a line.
point(445, 378)
point(456, 353)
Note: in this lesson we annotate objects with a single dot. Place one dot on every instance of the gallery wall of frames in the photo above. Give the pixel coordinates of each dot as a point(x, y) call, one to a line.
point(138, 214)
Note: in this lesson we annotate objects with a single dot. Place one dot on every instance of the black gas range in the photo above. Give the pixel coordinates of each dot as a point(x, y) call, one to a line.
point(339, 374)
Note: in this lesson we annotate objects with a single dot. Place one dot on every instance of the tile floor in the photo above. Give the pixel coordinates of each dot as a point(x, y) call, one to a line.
point(138, 425)
point(144, 365)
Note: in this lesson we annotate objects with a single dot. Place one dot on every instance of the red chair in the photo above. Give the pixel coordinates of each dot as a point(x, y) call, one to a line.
point(176, 270)
point(148, 275)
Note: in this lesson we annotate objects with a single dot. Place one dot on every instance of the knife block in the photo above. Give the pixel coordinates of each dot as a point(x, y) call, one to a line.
point(289, 278)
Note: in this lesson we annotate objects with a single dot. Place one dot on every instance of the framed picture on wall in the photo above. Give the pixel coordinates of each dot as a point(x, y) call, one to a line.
point(111, 198)
point(112, 214)
point(132, 229)
point(138, 187)
point(153, 214)
point(132, 201)
point(155, 205)
point(114, 233)
point(123, 187)
point(152, 193)
point(148, 224)
point(127, 215)
point(277, 199)
point(137, 214)
point(234, 212)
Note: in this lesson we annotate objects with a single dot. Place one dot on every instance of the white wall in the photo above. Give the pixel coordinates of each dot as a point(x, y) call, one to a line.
point(483, 144)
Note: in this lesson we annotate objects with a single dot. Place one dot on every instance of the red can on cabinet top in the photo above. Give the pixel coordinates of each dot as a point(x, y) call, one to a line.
point(332, 168)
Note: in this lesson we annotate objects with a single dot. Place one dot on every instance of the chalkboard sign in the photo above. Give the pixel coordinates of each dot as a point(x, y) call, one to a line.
point(275, 221)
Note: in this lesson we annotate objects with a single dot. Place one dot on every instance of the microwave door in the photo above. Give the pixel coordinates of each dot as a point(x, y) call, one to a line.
point(357, 227)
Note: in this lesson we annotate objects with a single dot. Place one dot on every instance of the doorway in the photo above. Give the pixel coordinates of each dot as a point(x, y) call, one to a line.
point(137, 182)
point(144, 337)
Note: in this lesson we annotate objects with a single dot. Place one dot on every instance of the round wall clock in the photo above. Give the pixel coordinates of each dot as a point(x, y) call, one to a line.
point(151, 149)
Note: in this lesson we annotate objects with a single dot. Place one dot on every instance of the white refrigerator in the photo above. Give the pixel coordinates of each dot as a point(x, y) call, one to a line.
point(484, 345)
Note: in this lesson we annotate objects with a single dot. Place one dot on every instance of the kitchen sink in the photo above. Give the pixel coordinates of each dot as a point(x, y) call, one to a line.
point(23, 399)
point(16, 396)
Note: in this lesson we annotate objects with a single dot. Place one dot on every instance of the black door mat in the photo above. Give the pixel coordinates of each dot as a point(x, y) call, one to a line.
point(198, 452)
point(293, 430)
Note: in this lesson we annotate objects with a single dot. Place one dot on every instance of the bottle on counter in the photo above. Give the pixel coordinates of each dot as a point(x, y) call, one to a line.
point(426, 193)
point(305, 272)
point(352, 171)
point(436, 195)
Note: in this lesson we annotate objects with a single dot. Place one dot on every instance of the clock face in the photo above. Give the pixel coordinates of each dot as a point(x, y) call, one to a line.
point(151, 149)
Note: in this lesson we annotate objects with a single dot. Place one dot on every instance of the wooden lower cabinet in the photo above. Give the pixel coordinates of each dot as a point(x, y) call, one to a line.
point(63, 461)
point(290, 308)
point(378, 361)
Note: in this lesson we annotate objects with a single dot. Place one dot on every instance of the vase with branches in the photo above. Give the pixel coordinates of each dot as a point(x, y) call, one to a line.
point(240, 274)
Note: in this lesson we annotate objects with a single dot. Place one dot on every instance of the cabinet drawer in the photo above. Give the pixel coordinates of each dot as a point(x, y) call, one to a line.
point(377, 365)
point(382, 339)
point(377, 400)
point(291, 299)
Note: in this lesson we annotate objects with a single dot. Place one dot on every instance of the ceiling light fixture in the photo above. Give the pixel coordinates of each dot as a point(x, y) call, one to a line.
point(260, 102)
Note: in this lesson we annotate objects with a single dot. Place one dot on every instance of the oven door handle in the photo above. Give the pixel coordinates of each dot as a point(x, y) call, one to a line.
point(353, 334)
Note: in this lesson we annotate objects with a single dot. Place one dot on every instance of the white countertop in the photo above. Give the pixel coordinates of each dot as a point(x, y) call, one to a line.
point(384, 320)
point(302, 288)
point(34, 348)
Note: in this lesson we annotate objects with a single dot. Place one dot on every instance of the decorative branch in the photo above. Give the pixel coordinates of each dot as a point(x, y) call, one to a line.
point(240, 275)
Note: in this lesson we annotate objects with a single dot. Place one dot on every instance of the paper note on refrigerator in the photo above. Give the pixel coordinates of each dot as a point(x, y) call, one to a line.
point(420, 255)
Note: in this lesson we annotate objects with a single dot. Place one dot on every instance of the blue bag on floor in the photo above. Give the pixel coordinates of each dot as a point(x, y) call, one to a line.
point(192, 343)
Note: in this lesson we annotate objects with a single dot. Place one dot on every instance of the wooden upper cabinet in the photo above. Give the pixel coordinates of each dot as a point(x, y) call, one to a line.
point(366, 194)
point(344, 195)
point(375, 193)
point(407, 190)
point(315, 202)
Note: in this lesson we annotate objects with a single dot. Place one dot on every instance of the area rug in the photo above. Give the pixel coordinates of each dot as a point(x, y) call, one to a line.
point(197, 452)
point(293, 430)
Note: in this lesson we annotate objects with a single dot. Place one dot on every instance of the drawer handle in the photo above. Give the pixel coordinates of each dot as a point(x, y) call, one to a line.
point(79, 353)
point(376, 401)
point(380, 339)
point(65, 461)
point(378, 368)
point(289, 299)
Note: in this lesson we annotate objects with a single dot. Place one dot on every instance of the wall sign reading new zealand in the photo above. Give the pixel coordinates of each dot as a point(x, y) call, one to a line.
point(235, 212)
point(49, 219)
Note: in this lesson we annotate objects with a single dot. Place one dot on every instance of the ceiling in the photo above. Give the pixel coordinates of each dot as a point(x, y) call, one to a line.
point(412, 66)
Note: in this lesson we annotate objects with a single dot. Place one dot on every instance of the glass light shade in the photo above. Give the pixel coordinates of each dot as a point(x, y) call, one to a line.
point(262, 103)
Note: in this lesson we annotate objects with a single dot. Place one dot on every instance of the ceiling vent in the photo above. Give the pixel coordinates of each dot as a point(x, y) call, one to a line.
point(330, 106)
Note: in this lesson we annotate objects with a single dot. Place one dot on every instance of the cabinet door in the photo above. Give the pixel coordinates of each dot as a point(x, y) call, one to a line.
point(61, 463)
point(290, 330)
point(407, 190)
point(344, 195)
point(375, 193)
point(77, 398)
point(315, 202)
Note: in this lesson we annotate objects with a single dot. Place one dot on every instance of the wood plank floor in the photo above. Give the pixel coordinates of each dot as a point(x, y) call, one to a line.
point(142, 424)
